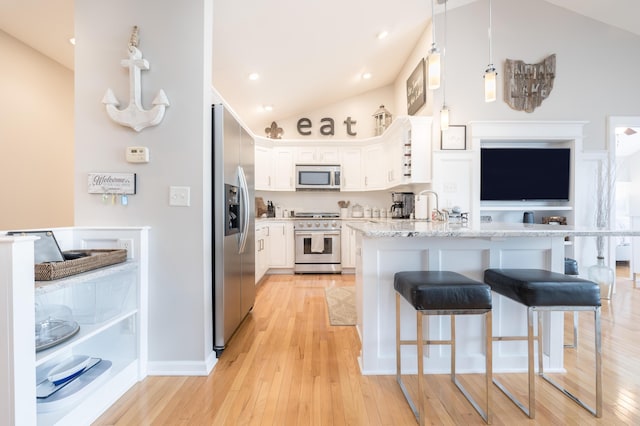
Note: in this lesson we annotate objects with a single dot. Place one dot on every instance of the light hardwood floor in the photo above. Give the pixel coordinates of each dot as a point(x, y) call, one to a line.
point(288, 366)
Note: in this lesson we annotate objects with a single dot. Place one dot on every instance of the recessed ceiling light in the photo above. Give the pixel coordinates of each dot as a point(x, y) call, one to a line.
point(72, 40)
point(267, 108)
point(254, 76)
point(382, 34)
point(366, 76)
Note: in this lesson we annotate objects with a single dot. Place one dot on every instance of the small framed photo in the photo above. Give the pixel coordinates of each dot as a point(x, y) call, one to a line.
point(455, 137)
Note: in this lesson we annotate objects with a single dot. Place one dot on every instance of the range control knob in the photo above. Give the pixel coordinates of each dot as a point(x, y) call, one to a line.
point(326, 224)
point(317, 224)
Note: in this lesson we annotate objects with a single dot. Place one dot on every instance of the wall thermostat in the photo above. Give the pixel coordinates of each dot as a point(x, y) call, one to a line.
point(137, 154)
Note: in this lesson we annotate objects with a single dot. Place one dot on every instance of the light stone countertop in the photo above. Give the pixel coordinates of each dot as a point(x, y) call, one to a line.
point(413, 228)
point(343, 219)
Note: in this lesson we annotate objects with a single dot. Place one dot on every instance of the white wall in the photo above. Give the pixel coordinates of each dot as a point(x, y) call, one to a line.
point(176, 41)
point(596, 68)
point(359, 108)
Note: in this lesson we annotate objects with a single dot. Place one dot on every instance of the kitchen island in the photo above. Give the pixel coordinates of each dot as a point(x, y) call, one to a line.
point(387, 247)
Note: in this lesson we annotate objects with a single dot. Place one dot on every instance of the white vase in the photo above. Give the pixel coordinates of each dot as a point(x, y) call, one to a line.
point(604, 276)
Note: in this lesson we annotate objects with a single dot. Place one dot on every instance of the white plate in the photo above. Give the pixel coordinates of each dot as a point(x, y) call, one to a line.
point(68, 368)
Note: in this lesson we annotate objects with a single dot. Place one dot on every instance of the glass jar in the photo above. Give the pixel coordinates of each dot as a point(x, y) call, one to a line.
point(604, 276)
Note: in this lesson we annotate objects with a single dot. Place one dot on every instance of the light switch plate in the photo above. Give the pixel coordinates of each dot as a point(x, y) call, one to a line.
point(137, 154)
point(180, 196)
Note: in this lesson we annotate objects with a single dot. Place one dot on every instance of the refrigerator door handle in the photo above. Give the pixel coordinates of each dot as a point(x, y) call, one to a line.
point(244, 190)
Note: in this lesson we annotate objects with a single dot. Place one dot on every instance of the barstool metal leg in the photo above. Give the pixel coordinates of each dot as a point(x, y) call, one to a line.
point(398, 358)
point(488, 321)
point(598, 349)
point(574, 345)
point(484, 413)
point(420, 342)
point(531, 371)
point(421, 398)
point(399, 361)
point(530, 338)
point(452, 319)
point(598, 370)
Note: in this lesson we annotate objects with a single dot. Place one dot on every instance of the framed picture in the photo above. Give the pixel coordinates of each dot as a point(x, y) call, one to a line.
point(416, 93)
point(455, 137)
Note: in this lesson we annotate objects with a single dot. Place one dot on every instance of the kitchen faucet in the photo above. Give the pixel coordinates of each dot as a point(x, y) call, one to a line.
point(439, 216)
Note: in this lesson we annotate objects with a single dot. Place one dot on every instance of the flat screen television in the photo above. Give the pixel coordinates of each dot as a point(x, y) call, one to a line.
point(524, 174)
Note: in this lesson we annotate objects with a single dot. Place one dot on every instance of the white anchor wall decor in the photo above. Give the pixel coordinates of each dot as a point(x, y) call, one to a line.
point(134, 115)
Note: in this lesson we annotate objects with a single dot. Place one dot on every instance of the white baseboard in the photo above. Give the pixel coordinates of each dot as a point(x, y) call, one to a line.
point(182, 368)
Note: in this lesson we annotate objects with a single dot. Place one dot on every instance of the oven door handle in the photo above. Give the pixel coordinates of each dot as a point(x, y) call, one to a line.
point(310, 233)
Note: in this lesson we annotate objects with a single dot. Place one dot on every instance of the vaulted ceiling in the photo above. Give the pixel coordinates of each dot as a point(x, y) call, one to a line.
point(308, 54)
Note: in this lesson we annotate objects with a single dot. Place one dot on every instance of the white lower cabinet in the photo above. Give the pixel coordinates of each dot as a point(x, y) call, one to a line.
point(281, 245)
point(262, 252)
point(109, 305)
point(348, 237)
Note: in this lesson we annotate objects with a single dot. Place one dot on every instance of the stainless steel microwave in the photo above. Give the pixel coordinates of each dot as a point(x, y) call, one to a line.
point(320, 177)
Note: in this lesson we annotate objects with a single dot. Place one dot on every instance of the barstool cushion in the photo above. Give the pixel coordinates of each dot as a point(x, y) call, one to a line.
point(539, 287)
point(442, 290)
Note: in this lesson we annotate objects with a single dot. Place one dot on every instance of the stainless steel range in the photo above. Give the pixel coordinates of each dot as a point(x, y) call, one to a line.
point(317, 243)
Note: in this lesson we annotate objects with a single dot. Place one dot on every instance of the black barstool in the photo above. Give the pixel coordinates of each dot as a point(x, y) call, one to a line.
point(540, 290)
point(442, 293)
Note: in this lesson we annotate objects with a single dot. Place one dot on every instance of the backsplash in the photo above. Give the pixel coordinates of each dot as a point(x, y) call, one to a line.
point(320, 201)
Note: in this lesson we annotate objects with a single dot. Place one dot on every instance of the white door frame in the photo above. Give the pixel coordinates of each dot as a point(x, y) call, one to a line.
point(614, 122)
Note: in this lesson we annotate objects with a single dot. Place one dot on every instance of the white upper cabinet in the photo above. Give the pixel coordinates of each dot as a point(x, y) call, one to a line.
point(416, 145)
point(374, 167)
point(284, 169)
point(408, 145)
point(351, 172)
point(395, 157)
point(401, 156)
point(317, 155)
point(263, 168)
point(274, 167)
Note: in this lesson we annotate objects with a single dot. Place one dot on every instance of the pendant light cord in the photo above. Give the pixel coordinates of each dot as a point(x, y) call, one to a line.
point(490, 37)
point(433, 26)
point(444, 62)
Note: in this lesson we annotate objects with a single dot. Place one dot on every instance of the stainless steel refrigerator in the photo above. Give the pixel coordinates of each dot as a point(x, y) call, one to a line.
point(233, 226)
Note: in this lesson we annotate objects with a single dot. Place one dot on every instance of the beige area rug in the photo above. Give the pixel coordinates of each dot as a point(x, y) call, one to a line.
point(341, 304)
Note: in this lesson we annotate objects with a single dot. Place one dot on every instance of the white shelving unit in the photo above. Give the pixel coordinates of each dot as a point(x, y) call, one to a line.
point(528, 134)
point(111, 308)
point(525, 207)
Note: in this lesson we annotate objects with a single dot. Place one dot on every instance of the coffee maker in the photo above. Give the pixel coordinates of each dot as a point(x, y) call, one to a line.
point(402, 205)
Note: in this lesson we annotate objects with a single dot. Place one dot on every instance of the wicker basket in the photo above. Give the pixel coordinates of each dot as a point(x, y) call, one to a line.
point(97, 259)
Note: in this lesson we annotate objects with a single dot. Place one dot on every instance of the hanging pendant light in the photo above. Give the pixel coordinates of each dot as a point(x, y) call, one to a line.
point(490, 74)
point(444, 112)
point(434, 55)
point(444, 117)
